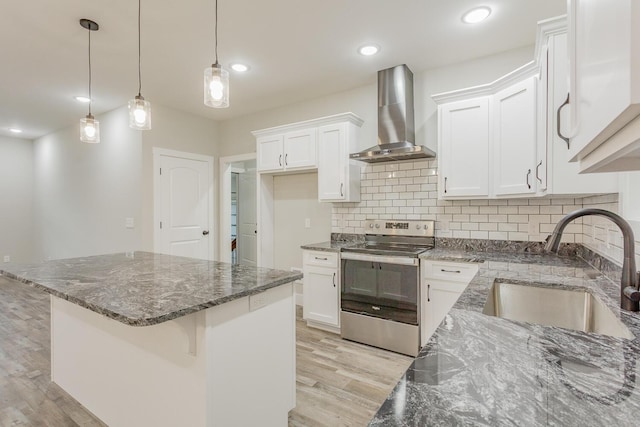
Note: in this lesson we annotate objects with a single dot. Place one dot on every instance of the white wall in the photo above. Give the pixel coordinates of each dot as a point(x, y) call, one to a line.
point(84, 192)
point(296, 199)
point(16, 199)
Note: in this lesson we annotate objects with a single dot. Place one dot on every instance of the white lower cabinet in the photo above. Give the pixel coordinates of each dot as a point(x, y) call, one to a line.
point(442, 284)
point(321, 290)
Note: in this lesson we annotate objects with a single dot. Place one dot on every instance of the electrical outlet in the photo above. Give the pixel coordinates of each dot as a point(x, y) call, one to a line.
point(129, 223)
point(7, 258)
point(307, 223)
point(259, 300)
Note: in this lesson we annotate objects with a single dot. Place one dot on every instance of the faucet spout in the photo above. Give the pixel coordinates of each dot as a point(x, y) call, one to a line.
point(629, 291)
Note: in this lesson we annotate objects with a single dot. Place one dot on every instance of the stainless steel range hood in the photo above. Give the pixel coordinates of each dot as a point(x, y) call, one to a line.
point(396, 132)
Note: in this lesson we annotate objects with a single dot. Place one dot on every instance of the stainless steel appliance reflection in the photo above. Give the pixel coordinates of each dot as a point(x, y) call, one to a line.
point(380, 294)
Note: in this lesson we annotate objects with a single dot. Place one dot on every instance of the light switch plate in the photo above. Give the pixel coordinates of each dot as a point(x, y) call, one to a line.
point(129, 223)
point(7, 258)
point(307, 223)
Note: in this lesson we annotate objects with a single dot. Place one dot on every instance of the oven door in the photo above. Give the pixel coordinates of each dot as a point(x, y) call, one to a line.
point(380, 286)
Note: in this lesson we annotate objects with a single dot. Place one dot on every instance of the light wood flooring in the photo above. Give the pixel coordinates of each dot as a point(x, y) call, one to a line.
point(339, 383)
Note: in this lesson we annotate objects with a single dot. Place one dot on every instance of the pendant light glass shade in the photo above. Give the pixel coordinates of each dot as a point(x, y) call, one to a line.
point(216, 87)
point(89, 130)
point(139, 109)
point(139, 113)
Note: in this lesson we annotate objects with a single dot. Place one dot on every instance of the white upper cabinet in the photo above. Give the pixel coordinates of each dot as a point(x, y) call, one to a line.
point(514, 139)
point(464, 148)
point(323, 144)
point(487, 138)
point(555, 174)
point(604, 47)
point(338, 177)
point(287, 151)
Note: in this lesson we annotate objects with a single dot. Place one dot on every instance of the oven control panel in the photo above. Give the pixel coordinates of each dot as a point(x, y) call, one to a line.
point(400, 228)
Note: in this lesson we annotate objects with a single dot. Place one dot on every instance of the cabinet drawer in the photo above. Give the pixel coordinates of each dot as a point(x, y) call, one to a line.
point(452, 271)
point(323, 259)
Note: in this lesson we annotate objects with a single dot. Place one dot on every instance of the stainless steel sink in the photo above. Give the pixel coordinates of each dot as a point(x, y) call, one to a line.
point(572, 309)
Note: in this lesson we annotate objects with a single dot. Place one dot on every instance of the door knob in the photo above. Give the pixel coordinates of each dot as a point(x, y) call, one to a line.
point(205, 232)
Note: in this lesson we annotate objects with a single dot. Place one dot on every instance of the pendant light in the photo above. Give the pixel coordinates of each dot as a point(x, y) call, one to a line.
point(139, 109)
point(89, 126)
point(216, 79)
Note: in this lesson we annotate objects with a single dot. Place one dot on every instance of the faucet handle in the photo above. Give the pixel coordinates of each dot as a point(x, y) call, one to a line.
point(632, 293)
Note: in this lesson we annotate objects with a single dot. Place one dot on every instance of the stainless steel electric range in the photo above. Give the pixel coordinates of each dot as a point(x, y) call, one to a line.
point(380, 294)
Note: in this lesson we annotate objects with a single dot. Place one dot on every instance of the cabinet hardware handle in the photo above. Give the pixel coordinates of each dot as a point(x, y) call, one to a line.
point(321, 258)
point(537, 174)
point(342, 189)
point(286, 159)
point(280, 160)
point(558, 123)
point(528, 174)
point(375, 308)
point(205, 232)
point(449, 271)
point(445, 185)
point(334, 280)
point(428, 292)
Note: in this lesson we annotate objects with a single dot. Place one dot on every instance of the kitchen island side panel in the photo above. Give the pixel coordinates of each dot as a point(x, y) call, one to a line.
point(231, 364)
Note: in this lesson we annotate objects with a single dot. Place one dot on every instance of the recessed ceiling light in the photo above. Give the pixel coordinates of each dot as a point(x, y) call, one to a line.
point(241, 68)
point(82, 99)
point(15, 130)
point(476, 15)
point(369, 50)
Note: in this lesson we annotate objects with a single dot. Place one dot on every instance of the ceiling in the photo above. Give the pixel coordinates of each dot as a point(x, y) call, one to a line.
point(297, 50)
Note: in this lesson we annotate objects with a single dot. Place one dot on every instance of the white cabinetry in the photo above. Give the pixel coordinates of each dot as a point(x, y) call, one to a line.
point(487, 138)
point(338, 177)
point(555, 174)
point(514, 138)
point(290, 151)
point(442, 284)
point(604, 42)
point(464, 147)
point(321, 290)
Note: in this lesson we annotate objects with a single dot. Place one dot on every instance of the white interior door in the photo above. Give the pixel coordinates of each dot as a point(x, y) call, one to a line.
point(247, 221)
point(184, 207)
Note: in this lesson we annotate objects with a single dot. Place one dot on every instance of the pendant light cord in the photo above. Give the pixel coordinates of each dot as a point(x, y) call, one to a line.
point(216, 30)
point(90, 97)
point(139, 55)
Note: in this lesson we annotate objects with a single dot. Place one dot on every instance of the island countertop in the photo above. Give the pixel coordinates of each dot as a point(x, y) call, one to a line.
point(143, 288)
point(479, 370)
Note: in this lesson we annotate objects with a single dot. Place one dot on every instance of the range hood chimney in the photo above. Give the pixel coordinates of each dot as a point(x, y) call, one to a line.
point(396, 131)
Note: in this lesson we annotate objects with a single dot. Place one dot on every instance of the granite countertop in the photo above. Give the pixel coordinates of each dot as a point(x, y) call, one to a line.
point(478, 370)
point(143, 288)
point(331, 246)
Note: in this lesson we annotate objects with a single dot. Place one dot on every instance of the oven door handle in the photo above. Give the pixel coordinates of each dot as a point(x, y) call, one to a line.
point(380, 258)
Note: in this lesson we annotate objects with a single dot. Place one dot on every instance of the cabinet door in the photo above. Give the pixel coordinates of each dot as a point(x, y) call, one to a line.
point(441, 297)
point(270, 155)
point(332, 159)
point(604, 70)
point(464, 147)
point(321, 295)
point(300, 149)
point(514, 139)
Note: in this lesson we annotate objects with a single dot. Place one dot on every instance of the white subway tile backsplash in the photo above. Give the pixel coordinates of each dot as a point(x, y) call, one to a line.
point(408, 190)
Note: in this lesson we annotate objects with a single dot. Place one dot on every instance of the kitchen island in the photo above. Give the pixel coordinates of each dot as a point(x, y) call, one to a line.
point(480, 370)
point(147, 339)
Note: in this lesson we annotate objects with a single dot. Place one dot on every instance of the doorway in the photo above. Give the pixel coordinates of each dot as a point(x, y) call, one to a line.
point(238, 223)
point(183, 204)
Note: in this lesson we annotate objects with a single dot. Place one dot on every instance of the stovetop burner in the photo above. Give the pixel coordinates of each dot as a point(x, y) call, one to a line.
point(396, 238)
